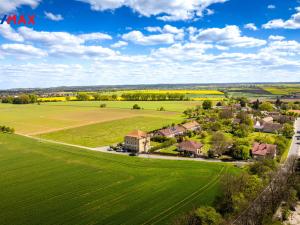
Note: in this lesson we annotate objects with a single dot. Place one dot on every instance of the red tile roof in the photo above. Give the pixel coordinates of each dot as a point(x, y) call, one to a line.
point(172, 131)
point(263, 149)
point(137, 134)
point(190, 146)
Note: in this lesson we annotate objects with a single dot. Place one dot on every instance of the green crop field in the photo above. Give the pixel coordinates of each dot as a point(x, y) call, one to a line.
point(50, 184)
point(173, 106)
point(48, 117)
point(283, 90)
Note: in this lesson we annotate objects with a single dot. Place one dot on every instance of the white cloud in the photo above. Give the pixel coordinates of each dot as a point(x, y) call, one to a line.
point(59, 38)
point(81, 50)
point(292, 23)
point(21, 50)
point(139, 38)
point(95, 37)
point(282, 48)
point(250, 26)
point(165, 10)
point(209, 12)
point(49, 38)
point(119, 44)
point(182, 52)
point(7, 6)
point(153, 29)
point(229, 36)
point(271, 7)
point(9, 33)
point(276, 38)
point(168, 29)
point(54, 17)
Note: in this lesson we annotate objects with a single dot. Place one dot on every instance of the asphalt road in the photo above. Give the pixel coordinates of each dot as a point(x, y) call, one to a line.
point(295, 146)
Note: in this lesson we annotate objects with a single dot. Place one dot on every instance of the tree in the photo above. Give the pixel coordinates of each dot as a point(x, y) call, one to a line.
point(7, 99)
point(266, 106)
point(243, 101)
point(219, 104)
point(207, 104)
point(241, 130)
point(256, 104)
point(240, 149)
point(188, 113)
point(136, 106)
point(22, 99)
point(245, 118)
point(226, 114)
point(220, 143)
point(278, 102)
point(33, 98)
point(288, 130)
point(114, 97)
point(208, 216)
point(83, 97)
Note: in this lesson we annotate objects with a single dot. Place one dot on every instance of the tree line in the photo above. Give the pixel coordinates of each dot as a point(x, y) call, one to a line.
point(22, 99)
point(153, 97)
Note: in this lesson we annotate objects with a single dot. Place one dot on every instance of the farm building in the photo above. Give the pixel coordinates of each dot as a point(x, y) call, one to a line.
point(190, 148)
point(137, 141)
point(262, 151)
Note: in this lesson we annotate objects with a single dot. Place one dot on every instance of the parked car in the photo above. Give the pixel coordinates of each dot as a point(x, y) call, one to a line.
point(133, 154)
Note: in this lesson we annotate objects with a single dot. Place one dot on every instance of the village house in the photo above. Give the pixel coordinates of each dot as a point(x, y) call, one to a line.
point(137, 141)
point(272, 127)
point(179, 129)
point(267, 125)
point(284, 119)
point(193, 125)
point(262, 151)
point(268, 119)
point(171, 131)
point(190, 148)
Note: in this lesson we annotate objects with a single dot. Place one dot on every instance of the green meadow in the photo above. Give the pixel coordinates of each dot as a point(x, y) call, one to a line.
point(107, 133)
point(35, 119)
point(50, 184)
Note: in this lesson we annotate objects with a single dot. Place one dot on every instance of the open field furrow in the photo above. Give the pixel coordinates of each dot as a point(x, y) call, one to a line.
point(184, 201)
point(76, 186)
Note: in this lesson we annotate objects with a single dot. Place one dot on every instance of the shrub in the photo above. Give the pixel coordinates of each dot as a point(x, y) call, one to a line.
point(136, 106)
point(5, 129)
point(103, 105)
point(207, 104)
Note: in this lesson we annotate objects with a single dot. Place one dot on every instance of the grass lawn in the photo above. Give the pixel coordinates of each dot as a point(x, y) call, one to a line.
point(34, 119)
point(170, 150)
point(50, 184)
point(107, 133)
point(266, 136)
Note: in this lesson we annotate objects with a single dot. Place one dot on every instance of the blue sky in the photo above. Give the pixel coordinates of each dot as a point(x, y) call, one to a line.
point(101, 42)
